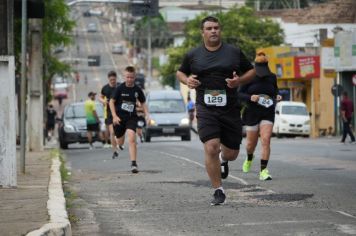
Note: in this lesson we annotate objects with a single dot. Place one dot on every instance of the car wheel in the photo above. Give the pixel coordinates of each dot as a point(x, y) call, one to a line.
point(278, 135)
point(186, 137)
point(63, 145)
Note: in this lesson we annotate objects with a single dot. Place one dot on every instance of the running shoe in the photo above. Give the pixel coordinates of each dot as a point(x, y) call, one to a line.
point(115, 155)
point(224, 169)
point(264, 175)
point(219, 198)
point(121, 147)
point(134, 169)
point(247, 165)
point(106, 145)
point(91, 147)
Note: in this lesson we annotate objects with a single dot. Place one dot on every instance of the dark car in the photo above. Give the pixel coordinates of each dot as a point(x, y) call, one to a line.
point(140, 80)
point(168, 115)
point(72, 126)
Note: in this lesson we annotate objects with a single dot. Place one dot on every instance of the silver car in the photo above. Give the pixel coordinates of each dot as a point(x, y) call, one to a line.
point(168, 115)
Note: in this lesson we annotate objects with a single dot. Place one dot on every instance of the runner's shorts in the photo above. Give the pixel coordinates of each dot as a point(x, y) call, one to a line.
point(121, 128)
point(251, 117)
point(141, 122)
point(108, 120)
point(93, 127)
point(224, 124)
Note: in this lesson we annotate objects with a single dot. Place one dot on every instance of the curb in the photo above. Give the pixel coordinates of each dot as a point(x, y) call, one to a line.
point(59, 224)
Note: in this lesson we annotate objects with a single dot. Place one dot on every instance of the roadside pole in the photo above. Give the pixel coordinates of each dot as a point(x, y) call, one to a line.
point(35, 114)
point(23, 86)
point(8, 173)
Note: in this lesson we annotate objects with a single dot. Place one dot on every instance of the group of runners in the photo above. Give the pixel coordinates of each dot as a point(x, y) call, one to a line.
point(125, 113)
point(215, 70)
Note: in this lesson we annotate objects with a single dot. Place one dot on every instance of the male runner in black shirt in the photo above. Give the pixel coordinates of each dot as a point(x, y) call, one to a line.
point(215, 69)
point(106, 93)
point(123, 110)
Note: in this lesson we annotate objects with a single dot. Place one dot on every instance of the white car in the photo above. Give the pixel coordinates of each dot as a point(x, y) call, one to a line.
point(117, 48)
point(292, 118)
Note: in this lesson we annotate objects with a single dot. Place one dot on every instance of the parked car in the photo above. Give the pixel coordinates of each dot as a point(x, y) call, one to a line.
point(117, 48)
point(168, 115)
point(92, 28)
point(292, 118)
point(72, 126)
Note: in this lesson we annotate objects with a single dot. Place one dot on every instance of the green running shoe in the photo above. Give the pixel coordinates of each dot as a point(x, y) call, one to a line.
point(247, 165)
point(264, 175)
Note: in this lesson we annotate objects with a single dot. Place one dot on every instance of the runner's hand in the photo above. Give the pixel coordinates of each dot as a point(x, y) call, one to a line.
point(234, 82)
point(116, 120)
point(192, 82)
point(254, 98)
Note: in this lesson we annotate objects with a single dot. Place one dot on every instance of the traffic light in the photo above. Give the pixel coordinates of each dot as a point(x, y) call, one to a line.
point(147, 8)
point(35, 8)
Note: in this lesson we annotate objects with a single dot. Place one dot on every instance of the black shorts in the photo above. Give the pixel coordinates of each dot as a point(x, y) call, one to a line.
point(224, 124)
point(93, 127)
point(252, 116)
point(141, 122)
point(121, 128)
point(50, 126)
point(109, 120)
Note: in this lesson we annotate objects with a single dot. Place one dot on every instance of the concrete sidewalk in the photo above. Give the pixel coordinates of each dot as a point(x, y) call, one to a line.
point(28, 207)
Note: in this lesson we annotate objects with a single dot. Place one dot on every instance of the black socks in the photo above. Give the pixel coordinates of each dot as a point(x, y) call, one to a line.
point(264, 164)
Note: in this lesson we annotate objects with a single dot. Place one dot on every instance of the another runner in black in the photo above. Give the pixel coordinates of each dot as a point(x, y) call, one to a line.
point(261, 96)
point(106, 93)
point(123, 109)
point(215, 69)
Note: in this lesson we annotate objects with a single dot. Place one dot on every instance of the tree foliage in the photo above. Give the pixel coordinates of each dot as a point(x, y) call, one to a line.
point(160, 34)
point(240, 27)
point(57, 28)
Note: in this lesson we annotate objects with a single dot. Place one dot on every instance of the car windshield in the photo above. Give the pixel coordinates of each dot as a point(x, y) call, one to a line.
point(78, 111)
point(166, 106)
point(294, 110)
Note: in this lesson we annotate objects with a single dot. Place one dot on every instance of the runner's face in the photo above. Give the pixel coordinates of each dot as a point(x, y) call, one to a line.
point(211, 33)
point(129, 78)
point(112, 80)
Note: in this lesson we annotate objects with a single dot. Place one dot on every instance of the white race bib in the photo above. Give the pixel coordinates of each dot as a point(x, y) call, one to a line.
point(215, 98)
point(265, 101)
point(127, 107)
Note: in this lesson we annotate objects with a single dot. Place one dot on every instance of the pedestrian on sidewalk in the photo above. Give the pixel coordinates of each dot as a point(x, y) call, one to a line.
point(51, 121)
point(106, 93)
point(123, 109)
point(214, 70)
point(260, 96)
point(347, 109)
point(92, 118)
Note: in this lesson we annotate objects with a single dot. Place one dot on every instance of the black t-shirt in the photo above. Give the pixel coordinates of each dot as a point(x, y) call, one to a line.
point(260, 85)
point(213, 67)
point(108, 91)
point(125, 100)
point(51, 116)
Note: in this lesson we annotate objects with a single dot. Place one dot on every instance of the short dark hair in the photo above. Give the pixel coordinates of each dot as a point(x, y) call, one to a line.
point(209, 18)
point(112, 73)
point(130, 69)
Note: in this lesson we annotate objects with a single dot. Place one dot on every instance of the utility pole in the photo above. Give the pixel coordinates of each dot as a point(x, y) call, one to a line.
point(8, 173)
point(35, 117)
point(149, 52)
point(23, 86)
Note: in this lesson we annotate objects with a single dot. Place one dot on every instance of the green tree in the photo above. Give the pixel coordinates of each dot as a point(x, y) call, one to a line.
point(57, 28)
point(240, 27)
point(160, 34)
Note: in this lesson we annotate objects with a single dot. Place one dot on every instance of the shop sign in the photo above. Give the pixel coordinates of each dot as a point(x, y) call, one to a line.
point(307, 67)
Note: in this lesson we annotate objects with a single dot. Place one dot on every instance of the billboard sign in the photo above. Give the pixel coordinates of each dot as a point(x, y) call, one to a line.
point(307, 67)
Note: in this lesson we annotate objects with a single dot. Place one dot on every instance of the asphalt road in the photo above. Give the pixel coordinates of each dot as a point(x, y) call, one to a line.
point(312, 192)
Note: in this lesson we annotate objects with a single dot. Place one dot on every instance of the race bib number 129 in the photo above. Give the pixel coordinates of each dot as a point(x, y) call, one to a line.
point(215, 97)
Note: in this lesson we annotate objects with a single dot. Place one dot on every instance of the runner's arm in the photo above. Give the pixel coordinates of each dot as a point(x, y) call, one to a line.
point(191, 81)
point(102, 99)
